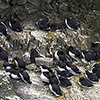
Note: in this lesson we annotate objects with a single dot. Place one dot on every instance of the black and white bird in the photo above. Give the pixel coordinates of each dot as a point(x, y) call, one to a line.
point(44, 68)
point(60, 56)
point(62, 66)
point(8, 66)
point(65, 73)
point(55, 27)
point(92, 77)
point(55, 78)
point(85, 83)
point(96, 47)
point(54, 88)
point(25, 77)
point(3, 54)
point(45, 77)
point(3, 29)
point(43, 24)
point(14, 74)
point(88, 56)
point(73, 69)
point(15, 24)
point(34, 54)
point(74, 53)
point(20, 64)
point(64, 81)
point(71, 24)
point(96, 70)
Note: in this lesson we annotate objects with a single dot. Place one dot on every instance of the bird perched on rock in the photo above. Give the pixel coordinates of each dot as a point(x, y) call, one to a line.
point(3, 54)
point(92, 77)
point(54, 88)
point(43, 24)
point(55, 27)
point(73, 69)
point(96, 47)
point(96, 70)
point(14, 74)
point(8, 66)
point(15, 24)
point(55, 78)
point(71, 24)
point(88, 56)
point(85, 83)
point(60, 56)
point(34, 54)
point(46, 73)
point(3, 29)
point(25, 77)
point(62, 66)
point(20, 64)
point(45, 76)
point(74, 53)
point(64, 81)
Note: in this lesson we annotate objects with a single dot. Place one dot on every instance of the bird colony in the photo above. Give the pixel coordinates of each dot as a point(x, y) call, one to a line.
point(60, 75)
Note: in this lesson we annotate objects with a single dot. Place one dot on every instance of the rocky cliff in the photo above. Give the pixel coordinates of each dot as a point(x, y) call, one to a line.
point(86, 13)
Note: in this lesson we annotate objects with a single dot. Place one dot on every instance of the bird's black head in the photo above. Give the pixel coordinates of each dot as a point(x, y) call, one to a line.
point(33, 50)
point(5, 58)
point(93, 44)
point(68, 18)
point(82, 79)
point(71, 48)
point(44, 67)
point(84, 51)
point(86, 71)
point(60, 52)
point(16, 58)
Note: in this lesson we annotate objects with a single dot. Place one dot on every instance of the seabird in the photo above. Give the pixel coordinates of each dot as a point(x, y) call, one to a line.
point(3, 54)
point(64, 81)
point(3, 29)
point(60, 56)
point(71, 24)
point(85, 83)
point(74, 53)
point(34, 54)
point(92, 77)
point(15, 24)
point(19, 63)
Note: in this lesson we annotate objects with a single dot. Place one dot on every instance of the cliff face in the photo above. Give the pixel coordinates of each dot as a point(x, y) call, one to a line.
point(87, 15)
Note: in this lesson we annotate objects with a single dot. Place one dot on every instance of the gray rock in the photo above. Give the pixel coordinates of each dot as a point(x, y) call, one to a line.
point(44, 61)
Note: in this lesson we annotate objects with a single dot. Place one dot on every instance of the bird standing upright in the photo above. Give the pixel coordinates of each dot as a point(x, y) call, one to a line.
point(15, 24)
